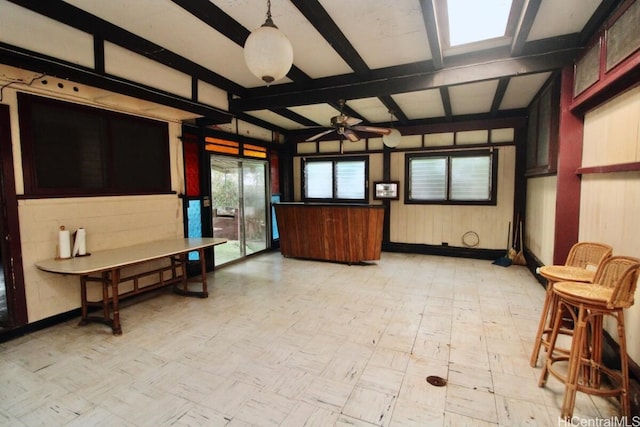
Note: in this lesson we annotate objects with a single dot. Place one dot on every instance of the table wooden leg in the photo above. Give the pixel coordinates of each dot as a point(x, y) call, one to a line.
point(115, 278)
point(183, 266)
point(105, 298)
point(83, 300)
point(203, 273)
point(184, 288)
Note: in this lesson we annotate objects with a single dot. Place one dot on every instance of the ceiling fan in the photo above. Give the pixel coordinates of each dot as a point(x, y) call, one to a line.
point(346, 127)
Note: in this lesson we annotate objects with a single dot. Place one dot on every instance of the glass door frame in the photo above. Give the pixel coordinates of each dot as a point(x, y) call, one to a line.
point(237, 214)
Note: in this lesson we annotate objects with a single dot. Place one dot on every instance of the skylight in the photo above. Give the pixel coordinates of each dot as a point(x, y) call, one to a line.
point(473, 20)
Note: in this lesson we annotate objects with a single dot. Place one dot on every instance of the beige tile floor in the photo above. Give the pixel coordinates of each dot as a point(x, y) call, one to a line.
point(286, 342)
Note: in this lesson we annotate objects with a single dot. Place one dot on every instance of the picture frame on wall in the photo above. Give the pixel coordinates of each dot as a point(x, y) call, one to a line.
point(386, 190)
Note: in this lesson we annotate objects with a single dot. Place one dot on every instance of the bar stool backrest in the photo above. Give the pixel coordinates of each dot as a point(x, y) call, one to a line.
point(619, 273)
point(588, 255)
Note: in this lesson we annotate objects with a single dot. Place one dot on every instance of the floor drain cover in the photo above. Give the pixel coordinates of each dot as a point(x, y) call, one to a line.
point(436, 381)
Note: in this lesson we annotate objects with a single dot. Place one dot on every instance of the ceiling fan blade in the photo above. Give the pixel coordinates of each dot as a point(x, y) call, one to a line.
point(351, 121)
point(374, 129)
point(351, 135)
point(319, 135)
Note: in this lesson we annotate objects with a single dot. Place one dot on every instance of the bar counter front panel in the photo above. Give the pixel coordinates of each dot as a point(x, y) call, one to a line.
point(330, 232)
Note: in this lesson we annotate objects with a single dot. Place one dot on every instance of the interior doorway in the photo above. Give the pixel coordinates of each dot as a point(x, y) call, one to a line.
point(239, 207)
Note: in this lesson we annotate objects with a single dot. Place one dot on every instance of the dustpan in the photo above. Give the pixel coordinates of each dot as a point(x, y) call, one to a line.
point(505, 261)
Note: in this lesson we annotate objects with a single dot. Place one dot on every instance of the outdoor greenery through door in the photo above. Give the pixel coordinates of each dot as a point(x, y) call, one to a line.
point(239, 207)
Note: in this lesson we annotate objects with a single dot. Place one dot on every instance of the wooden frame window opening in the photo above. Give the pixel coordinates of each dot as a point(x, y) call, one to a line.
point(336, 179)
point(460, 177)
point(75, 150)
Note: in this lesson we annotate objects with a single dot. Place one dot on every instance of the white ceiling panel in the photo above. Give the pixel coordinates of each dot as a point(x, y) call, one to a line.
point(166, 24)
point(122, 62)
point(522, 89)
point(372, 109)
point(311, 52)
point(472, 98)
point(384, 32)
point(421, 104)
point(561, 17)
point(29, 30)
point(272, 117)
point(319, 113)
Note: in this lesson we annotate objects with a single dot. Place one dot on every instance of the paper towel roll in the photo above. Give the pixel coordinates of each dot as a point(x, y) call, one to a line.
point(64, 243)
point(80, 243)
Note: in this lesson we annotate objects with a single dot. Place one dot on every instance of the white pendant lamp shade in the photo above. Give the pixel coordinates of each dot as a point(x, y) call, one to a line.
point(392, 139)
point(268, 52)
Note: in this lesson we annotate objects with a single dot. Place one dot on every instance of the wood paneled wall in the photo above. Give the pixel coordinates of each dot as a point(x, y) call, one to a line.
point(438, 224)
point(610, 203)
point(541, 215)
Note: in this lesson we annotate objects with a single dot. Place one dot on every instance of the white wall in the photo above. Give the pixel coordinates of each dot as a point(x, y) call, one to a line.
point(110, 222)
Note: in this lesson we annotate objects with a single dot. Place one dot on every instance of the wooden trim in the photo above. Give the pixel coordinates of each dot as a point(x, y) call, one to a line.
point(10, 237)
point(569, 158)
point(619, 167)
point(620, 77)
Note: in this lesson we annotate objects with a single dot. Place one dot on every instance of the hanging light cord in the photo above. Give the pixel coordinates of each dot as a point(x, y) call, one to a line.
point(269, 21)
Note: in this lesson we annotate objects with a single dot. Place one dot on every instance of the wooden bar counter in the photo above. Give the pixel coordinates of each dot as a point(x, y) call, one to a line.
point(330, 232)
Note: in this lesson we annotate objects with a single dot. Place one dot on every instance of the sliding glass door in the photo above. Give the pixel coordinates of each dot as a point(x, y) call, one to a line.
point(239, 207)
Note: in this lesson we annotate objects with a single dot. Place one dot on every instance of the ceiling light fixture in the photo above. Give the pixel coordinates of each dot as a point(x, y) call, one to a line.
point(392, 139)
point(268, 52)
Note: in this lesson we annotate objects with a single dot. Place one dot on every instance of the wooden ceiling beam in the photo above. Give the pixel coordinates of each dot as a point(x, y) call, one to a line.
point(407, 81)
point(529, 12)
point(24, 59)
point(429, 17)
point(321, 21)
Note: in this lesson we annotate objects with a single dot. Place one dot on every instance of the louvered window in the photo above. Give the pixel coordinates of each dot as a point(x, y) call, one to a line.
point(335, 179)
point(455, 178)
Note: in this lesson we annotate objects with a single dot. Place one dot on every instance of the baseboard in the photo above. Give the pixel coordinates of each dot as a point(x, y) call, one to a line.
point(443, 250)
point(9, 334)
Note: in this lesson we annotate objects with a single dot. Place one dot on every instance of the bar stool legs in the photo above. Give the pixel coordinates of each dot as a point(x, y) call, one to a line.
point(612, 291)
point(584, 361)
point(543, 329)
point(580, 266)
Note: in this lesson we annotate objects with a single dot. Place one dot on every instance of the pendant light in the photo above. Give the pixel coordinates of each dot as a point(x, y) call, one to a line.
point(392, 139)
point(268, 52)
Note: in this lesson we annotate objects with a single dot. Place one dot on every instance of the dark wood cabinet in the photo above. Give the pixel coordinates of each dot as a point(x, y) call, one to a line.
point(340, 233)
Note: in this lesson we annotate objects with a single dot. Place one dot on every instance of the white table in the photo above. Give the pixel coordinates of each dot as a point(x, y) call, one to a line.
point(106, 267)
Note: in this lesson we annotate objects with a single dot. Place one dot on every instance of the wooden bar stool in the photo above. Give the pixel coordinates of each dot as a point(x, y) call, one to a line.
point(581, 265)
point(612, 291)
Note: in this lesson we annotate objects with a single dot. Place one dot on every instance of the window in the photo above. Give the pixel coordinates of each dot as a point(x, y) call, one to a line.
point(341, 179)
point(464, 177)
point(70, 150)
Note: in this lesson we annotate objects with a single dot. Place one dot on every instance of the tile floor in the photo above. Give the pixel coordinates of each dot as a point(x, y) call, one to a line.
point(286, 342)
